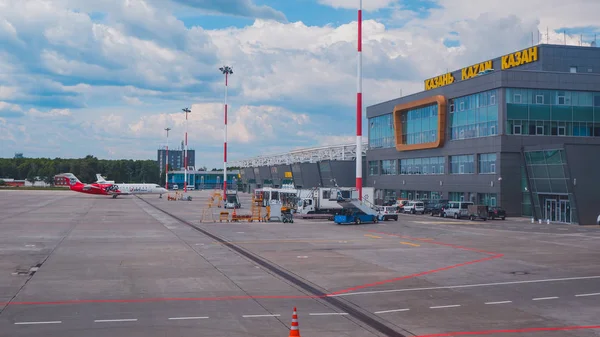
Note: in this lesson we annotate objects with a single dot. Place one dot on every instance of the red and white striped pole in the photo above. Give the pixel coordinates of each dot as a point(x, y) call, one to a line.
point(359, 107)
point(226, 70)
point(185, 154)
point(167, 161)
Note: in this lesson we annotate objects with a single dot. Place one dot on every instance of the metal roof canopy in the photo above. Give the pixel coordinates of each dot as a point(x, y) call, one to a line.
point(308, 155)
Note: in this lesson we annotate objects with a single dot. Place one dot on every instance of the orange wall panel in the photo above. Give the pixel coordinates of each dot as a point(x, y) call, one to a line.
point(441, 136)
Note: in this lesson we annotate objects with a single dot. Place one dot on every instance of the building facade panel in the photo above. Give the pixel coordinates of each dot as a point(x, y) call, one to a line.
point(494, 120)
point(311, 175)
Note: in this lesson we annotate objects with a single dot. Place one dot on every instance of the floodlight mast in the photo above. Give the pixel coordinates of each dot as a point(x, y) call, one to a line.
point(226, 70)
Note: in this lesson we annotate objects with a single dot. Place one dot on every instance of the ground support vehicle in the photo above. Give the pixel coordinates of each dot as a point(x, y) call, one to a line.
point(387, 213)
point(356, 217)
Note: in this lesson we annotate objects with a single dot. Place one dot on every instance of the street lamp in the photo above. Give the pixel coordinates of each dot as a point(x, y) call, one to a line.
point(226, 70)
point(167, 161)
point(185, 158)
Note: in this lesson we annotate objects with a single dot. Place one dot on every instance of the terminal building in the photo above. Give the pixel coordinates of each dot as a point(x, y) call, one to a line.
point(521, 131)
point(204, 180)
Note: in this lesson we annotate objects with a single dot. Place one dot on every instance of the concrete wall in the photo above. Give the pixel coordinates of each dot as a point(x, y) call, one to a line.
point(265, 174)
point(583, 163)
point(297, 174)
point(511, 191)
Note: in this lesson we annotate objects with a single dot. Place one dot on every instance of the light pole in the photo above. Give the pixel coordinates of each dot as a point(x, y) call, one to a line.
point(167, 161)
point(226, 70)
point(359, 107)
point(185, 163)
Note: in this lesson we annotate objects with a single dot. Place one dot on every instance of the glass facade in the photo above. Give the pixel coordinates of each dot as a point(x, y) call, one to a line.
point(388, 167)
point(432, 165)
point(548, 182)
point(420, 125)
point(489, 199)
point(462, 164)
point(552, 112)
point(487, 163)
point(474, 115)
point(381, 131)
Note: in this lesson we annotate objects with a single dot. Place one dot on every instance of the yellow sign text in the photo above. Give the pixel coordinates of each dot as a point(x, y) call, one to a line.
point(288, 174)
point(519, 58)
point(439, 81)
point(472, 71)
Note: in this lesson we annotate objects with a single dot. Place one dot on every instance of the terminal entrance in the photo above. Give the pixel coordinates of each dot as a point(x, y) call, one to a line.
point(557, 208)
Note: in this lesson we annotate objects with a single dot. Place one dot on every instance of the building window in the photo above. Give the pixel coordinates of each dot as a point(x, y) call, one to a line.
point(381, 132)
point(420, 125)
point(428, 166)
point(539, 99)
point(517, 99)
point(563, 112)
point(573, 69)
point(478, 116)
point(388, 167)
point(373, 167)
point(487, 163)
point(463, 164)
point(539, 130)
point(451, 107)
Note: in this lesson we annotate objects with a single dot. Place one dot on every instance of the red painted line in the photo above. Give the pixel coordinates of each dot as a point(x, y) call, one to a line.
point(490, 332)
point(232, 298)
point(368, 285)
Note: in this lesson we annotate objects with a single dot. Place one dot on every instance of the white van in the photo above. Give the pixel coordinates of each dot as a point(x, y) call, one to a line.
point(414, 207)
point(457, 209)
point(175, 187)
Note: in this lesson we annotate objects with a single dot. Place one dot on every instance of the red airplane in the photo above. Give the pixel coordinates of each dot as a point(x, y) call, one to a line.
point(106, 188)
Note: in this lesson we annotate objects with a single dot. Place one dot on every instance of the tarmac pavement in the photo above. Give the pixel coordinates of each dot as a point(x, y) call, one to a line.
point(74, 264)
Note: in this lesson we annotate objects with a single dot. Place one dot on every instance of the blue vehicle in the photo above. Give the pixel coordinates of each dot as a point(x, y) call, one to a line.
point(356, 217)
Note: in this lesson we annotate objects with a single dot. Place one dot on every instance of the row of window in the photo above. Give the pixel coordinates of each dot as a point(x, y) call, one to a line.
point(552, 97)
point(489, 199)
point(462, 164)
point(474, 116)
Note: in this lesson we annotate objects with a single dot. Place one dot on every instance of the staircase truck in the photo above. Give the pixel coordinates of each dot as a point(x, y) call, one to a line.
point(324, 199)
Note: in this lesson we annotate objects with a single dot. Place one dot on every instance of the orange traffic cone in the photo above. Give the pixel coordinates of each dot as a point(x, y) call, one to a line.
point(294, 330)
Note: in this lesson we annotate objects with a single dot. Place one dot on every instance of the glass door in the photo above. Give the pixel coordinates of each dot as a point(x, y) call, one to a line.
point(564, 214)
point(551, 210)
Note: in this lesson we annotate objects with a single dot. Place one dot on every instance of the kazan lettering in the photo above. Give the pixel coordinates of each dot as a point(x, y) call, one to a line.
point(439, 81)
point(519, 58)
point(472, 71)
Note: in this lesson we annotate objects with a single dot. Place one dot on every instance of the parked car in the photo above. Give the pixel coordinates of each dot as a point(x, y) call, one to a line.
point(497, 212)
point(438, 209)
point(457, 209)
point(387, 213)
point(414, 207)
point(431, 204)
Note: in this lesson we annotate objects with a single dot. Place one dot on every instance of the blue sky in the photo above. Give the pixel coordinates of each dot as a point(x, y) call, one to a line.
point(105, 78)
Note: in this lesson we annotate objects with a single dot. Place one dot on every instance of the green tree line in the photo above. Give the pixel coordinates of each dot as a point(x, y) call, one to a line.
point(123, 170)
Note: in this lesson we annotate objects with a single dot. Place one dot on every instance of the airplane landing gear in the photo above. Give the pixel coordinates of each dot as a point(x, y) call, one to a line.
point(115, 196)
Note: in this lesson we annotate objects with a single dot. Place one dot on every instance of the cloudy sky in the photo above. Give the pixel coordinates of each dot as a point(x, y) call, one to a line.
point(105, 77)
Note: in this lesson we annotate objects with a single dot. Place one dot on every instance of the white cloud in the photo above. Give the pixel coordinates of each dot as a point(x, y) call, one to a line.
point(368, 5)
point(110, 86)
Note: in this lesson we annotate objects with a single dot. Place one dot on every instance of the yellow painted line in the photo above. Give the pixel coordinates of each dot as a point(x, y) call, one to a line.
point(373, 236)
point(410, 244)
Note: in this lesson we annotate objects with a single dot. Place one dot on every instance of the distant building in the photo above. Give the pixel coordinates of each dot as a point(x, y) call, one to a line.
point(204, 180)
point(18, 155)
point(176, 159)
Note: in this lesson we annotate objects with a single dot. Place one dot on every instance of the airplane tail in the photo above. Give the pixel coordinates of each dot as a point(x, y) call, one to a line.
point(70, 179)
point(100, 179)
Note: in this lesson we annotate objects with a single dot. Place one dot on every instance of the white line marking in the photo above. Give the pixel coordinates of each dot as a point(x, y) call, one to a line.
point(467, 286)
point(180, 318)
point(592, 294)
point(49, 322)
point(116, 320)
point(327, 313)
point(445, 306)
point(499, 302)
point(251, 316)
point(563, 229)
point(393, 310)
point(545, 298)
